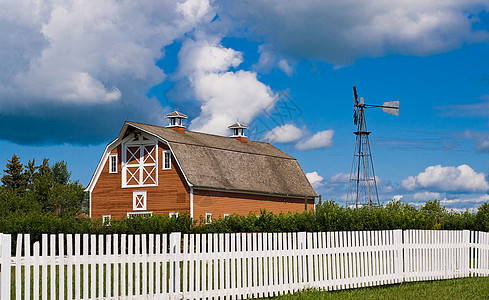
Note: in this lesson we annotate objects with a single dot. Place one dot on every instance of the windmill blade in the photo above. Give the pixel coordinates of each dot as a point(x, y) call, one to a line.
point(391, 107)
point(355, 96)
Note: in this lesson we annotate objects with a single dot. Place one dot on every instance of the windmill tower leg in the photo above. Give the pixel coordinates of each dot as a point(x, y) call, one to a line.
point(362, 187)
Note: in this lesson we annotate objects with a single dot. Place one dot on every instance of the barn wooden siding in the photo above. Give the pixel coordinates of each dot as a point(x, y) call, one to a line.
point(109, 198)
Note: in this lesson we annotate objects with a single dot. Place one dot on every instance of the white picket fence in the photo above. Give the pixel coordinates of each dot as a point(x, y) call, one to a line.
point(231, 266)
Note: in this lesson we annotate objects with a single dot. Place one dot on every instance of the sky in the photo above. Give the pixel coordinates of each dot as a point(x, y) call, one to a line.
point(71, 73)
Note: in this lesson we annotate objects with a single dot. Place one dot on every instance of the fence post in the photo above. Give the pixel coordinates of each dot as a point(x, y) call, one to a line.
point(175, 240)
point(302, 271)
point(398, 256)
point(6, 263)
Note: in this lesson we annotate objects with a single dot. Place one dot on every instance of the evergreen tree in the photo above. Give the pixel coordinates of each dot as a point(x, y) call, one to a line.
point(60, 173)
point(46, 189)
point(14, 178)
point(30, 171)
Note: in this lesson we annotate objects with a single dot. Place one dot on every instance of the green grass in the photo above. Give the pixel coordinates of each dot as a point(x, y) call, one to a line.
point(465, 288)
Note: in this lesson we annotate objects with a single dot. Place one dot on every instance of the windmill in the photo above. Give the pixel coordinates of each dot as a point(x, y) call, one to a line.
point(362, 186)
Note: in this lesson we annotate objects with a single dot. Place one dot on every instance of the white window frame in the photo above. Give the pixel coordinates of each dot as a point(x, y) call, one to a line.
point(143, 141)
point(173, 214)
point(225, 215)
point(136, 200)
point(163, 155)
point(111, 170)
point(106, 219)
point(208, 218)
point(137, 213)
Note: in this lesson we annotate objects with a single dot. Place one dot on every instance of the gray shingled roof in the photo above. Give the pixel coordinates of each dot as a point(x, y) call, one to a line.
point(212, 161)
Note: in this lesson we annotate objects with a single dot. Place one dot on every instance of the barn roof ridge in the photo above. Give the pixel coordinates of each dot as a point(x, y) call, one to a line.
point(284, 155)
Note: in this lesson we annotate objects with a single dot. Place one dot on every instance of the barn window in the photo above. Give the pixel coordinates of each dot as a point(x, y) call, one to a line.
point(106, 219)
point(208, 218)
point(166, 160)
point(139, 200)
point(173, 214)
point(113, 163)
point(140, 165)
point(139, 214)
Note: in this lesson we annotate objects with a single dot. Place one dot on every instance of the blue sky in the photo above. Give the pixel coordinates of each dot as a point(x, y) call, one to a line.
point(72, 72)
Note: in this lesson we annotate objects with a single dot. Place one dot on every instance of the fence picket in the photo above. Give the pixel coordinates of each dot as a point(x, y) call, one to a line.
point(233, 265)
point(77, 266)
point(93, 274)
point(18, 267)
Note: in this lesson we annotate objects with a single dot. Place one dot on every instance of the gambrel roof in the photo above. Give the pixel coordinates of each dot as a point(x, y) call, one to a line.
point(215, 162)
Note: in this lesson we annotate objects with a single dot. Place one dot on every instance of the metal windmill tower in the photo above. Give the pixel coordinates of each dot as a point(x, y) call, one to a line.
point(362, 187)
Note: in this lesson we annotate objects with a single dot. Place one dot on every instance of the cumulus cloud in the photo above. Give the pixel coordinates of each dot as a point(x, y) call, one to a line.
point(224, 96)
point(425, 196)
point(283, 134)
point(341, 31)
point(438, 178)
point(321, 139)
point(315, 179)
point(397, 197)
point(65, 58)
point(340, 177)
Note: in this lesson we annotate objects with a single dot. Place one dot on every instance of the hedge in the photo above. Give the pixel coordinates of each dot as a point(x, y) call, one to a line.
point(328, 216)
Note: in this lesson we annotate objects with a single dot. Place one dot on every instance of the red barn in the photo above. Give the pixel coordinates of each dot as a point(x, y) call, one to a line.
point(151, 169)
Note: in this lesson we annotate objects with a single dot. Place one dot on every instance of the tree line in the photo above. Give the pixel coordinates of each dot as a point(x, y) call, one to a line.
point(40, 189)
point(39, 199)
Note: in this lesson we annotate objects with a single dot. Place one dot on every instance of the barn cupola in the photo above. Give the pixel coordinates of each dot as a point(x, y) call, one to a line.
point(238, 132)
point(176, 121)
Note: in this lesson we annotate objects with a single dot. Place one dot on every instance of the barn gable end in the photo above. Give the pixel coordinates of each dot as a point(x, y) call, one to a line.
point(162, 170)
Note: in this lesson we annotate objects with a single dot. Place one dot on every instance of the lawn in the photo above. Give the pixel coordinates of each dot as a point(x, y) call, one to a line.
point(465, 288)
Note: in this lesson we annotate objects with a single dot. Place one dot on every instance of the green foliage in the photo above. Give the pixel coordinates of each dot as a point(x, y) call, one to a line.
point(328, 216)
point(31, 190)
point(482, 217)
point(42, 199)
point(14, 178)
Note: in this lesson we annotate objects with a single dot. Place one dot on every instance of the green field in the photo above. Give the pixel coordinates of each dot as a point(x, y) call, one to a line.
point(465, 288)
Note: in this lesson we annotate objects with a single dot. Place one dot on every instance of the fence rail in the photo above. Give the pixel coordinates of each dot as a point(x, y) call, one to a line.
point(231, 266)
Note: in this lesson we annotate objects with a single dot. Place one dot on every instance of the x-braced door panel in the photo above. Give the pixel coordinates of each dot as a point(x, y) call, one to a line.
point(141, 165)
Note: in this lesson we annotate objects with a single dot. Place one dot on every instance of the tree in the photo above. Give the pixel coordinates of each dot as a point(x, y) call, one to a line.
point(46, 189)
point(60, 173)
point(14, 177)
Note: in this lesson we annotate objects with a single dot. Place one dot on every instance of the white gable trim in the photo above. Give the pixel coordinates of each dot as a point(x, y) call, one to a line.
point(116, 143)
point(172, 153)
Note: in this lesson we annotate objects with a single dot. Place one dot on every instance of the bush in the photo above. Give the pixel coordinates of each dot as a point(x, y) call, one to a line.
point(328, 216)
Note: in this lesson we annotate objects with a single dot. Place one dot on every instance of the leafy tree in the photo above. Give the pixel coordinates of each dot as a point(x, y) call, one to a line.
point(41, 189)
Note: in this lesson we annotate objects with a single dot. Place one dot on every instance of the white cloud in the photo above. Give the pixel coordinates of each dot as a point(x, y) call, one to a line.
point(397, 197)
point(224, 96)
point(480, 139)
point(85, 51)
point(340, 177)
point(438, 178)
point(283, 134)
point(86, 63)
point(342, 31)
point(425, 196)
point(321, 139)
point(315, 179)
point(285, 67)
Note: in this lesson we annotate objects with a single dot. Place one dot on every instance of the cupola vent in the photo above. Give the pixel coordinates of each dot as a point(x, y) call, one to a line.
point(238, 132)
point(176, 121)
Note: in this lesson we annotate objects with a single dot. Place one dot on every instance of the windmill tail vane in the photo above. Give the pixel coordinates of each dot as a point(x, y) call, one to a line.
point(362, 186)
